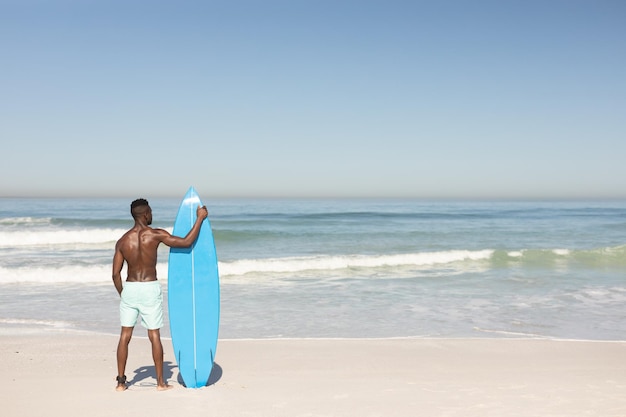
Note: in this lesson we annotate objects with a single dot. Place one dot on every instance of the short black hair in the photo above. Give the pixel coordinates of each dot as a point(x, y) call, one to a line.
point(137, 206)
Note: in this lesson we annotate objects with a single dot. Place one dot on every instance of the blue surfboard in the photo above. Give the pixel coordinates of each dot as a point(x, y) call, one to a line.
point(193, 297)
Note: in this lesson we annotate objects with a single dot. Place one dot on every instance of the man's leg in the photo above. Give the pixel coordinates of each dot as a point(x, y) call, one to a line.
point(122, 356)
point(157, 356)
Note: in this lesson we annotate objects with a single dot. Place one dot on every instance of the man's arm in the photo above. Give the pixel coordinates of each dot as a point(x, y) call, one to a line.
point(185, 242)
point(118, 263)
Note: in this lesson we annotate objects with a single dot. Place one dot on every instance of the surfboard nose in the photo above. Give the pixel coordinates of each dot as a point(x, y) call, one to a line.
point(191, 197)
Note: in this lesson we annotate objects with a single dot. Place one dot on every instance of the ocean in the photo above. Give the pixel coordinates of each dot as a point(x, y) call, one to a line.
point(338, 268)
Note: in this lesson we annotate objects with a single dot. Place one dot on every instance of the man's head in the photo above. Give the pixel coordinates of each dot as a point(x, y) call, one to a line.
point(140, 207)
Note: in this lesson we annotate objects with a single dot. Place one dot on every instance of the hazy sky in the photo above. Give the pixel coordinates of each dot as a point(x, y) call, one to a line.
point(504, 99)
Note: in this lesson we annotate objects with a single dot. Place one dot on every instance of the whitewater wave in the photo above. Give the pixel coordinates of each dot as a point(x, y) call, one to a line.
point(326, 263)
point(52, 274)
point(65, 237)
point(25, 221)
point(52, 237)
point(393, 265)
point(287, 265)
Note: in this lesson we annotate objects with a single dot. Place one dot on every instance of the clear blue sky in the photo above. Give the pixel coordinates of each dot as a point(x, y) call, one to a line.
point(461, 99)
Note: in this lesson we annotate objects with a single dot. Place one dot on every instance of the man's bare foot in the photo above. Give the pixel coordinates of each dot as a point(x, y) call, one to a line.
point(121, 383)
point(164, 387)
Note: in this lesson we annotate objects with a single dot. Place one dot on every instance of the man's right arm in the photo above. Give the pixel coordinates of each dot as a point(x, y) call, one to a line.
point(185, 242)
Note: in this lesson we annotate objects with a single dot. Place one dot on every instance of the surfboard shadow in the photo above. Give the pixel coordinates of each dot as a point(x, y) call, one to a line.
point(144, 372)
point(216, 375)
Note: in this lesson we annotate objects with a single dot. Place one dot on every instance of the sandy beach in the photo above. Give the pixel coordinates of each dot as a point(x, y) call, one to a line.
point(70, 374)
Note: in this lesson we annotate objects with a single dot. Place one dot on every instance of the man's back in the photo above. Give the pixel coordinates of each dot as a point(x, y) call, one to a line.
point(139, 246)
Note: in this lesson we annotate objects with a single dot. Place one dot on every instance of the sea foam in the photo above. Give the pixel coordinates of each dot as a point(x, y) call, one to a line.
point(317, 263)
point(62, 237)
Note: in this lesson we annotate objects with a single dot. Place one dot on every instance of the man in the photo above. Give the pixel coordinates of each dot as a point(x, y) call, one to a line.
point(141, 294)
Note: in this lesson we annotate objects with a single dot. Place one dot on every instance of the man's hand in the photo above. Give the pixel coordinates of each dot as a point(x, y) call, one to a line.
point(202, 212)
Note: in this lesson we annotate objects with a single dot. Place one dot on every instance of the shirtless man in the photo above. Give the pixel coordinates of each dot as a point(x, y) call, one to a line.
point(141, 293)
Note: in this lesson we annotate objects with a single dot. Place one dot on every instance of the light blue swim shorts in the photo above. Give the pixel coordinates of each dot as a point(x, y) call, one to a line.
point(145, 299)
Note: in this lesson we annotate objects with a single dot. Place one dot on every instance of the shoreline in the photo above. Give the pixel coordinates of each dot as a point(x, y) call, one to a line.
point(141, 333)
point(72, 373)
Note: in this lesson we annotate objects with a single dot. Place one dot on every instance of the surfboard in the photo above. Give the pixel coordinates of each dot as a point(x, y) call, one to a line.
point(193, 297)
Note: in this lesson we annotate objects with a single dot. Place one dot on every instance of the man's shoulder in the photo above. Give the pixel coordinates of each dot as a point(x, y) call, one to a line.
point(156, 232)
point(124, 237)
